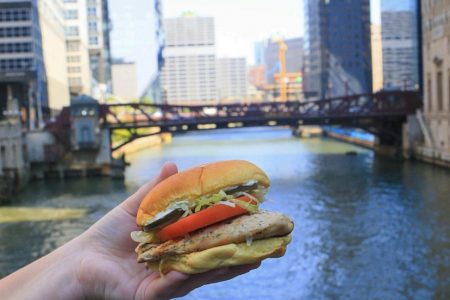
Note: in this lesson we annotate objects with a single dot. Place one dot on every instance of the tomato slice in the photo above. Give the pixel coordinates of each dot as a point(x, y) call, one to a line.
point(203, 218)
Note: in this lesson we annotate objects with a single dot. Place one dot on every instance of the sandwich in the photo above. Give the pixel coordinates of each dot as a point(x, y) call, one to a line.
point(208, 217)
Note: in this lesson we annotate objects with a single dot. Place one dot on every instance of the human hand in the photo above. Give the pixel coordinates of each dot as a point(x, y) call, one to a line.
point(108, 267)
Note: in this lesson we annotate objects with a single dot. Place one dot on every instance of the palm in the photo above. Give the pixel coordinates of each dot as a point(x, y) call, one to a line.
point(109, 266)
point(113, 261)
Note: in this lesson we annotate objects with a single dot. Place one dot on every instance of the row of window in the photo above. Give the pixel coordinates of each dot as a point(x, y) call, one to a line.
point(15, 32)
point(14, 14)
point(73, 70)
point(92, 11)
point(73, 59)
point(92, 25)
point(73, 46)
point(75, 81)
point(93, 40)
point(18, 64)
point(16, 48)
point(72, 31)
point(71, 14)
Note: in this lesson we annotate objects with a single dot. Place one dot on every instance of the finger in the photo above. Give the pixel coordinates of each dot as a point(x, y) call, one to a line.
point(235, 271)
point(132, 203)
point(164, 287)
point(222, 274)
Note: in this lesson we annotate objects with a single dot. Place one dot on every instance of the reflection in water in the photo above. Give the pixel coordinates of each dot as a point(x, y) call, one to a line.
point(365, 227)
point(32, 214)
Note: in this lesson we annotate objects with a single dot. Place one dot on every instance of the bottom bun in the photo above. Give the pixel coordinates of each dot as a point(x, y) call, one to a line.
point(223, 256)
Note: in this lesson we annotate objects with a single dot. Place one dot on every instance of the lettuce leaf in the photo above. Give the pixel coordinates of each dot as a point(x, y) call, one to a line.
point(209, 200)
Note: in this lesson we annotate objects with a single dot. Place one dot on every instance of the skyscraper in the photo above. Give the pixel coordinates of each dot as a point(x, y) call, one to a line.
point(400, 45)
point(337, 48)
point(78, 64)
point(377, 57)
point(22, 70)
point(51, 19)
point(232, 78)
point(124, 81)
point(189, 72)
point(98, 25)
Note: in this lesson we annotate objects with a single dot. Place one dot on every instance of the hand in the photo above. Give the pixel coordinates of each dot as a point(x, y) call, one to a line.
point(101, 263)
point(108, 268)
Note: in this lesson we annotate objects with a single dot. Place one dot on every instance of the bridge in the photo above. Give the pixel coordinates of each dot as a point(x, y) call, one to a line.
point(381, 114)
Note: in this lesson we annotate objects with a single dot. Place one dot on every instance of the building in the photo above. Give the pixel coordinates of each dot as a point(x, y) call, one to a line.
point(257, 76)
point(400, 44)
point(124, 81)
point(22, 70)
point(98, 25)
point(78, 59)
point(136, 36)
point(337, 48)
point(232, 79)
point(436, 74)
point(51, 20)
point(377, 57)
point(267, 53)
point(189, 72)
point(152, 90)
point(259, 49)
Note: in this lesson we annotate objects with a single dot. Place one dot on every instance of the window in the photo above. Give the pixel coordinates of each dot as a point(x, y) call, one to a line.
point(73, 46)
point(16, 48)
point(75, 81)
point(15, 32)
point(439, 91)
point(17, 64)
point(73, 70)
point(72, 31)
point(92, 11)
point(15, 14)
point(73, 59)
point(92, 25)
point(70, 1)
point(429, 94)
point(448, 96)
point(93, 40)
point(71, 14)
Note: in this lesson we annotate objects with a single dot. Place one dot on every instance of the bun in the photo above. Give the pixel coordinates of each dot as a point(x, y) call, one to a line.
point(223, 256)
point(193, 183)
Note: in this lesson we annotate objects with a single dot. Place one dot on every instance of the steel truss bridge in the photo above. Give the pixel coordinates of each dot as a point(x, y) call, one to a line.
point(381, 114)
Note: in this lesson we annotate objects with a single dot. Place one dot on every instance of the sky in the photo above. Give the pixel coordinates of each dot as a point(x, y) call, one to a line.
point(131, 21)
point(240, 23)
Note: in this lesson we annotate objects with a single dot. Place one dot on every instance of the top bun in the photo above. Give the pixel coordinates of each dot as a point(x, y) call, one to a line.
point(195, 182)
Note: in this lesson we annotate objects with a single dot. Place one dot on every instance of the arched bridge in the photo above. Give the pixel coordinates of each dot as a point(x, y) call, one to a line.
point(381, 114)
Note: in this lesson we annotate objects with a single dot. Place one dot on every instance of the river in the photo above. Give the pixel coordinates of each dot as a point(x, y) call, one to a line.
point(365, 227)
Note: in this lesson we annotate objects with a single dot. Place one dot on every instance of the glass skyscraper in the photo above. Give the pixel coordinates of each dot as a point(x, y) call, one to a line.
point(22, 71)
point(400, 44)
point(337, 48)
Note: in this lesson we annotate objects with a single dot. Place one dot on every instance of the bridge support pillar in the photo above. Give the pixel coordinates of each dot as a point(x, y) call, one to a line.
point(389, 139)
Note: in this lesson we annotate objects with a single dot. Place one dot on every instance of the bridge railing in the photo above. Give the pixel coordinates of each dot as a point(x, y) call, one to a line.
point(369, 105)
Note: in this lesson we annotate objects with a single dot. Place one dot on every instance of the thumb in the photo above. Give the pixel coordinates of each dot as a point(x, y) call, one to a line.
point(131, 205)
